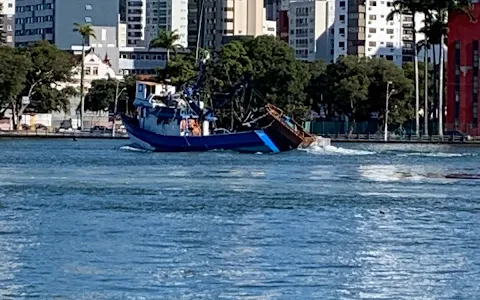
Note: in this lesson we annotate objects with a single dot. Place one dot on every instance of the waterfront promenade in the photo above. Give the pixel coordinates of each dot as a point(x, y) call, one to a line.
point(338, 138)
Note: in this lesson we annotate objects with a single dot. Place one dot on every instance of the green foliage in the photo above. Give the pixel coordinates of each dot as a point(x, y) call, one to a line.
point(14, 67)
point(85, 30)
point(168, 40)
point(34, 72)
point(351, 87)
point(101, 95)
point(180, 69)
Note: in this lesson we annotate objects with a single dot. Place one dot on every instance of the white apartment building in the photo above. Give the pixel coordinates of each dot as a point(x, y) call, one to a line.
point(167, 15)
point(364, 30)
point(8, 7)
point(328, 29)
point(7, 20)
point(311, 29)
point(146, 17)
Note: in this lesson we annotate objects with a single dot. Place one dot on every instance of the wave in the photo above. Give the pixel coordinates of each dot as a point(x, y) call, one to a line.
point(435, 154)
point(332, 150)
point(390, 173)
point(132, 149)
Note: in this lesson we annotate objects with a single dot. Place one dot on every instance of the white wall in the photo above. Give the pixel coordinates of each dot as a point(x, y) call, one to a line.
point(8, 7)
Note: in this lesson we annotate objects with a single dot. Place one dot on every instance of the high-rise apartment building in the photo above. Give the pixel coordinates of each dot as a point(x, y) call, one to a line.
point(7, 20)
point(145, 18)
point(53, 20)
point(328, 29)
point(364, 30)
point(311, 24)
point(212, 22)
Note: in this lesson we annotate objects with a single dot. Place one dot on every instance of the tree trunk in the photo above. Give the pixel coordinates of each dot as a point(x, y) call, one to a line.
point(82, 76)
point(15, 120)
point(417, 90)
point(441, 110)
point(168, 56)
point(426, 108)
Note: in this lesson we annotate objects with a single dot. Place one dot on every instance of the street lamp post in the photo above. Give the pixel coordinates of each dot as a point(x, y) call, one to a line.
point(117, 95)
point(387, 98)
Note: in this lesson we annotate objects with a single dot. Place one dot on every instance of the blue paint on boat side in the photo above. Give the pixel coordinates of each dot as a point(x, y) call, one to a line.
point(266, 139)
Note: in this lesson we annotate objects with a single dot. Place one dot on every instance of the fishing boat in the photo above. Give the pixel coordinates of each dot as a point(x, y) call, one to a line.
point(167, 121)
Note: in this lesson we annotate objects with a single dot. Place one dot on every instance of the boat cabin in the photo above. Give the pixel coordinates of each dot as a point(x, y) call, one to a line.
point(164, 111)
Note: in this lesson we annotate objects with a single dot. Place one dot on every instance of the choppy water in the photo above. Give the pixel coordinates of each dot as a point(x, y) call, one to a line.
point(97, 220)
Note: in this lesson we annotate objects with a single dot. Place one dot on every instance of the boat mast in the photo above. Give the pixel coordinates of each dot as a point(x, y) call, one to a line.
point(200, 21)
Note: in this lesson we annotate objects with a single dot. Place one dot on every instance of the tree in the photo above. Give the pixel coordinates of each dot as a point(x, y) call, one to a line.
point(412, 7)
point(167, 40)
point(48, 66)
point(102, 93)
point(278, 75)
point(180, 70)
point(14, 67)
point(86, 31)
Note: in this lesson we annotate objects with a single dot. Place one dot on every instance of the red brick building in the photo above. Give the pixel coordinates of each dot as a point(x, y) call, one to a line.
point(463, 73)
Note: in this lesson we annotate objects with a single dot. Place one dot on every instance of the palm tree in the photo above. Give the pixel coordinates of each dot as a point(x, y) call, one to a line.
point(86, 31)
point(411, 7)
point(167, 40)
point(424, 44)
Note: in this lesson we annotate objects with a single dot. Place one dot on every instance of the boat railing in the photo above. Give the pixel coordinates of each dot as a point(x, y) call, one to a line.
point(278, 114)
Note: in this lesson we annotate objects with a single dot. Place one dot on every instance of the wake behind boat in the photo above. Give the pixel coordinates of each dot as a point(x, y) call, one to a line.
point(179, 122)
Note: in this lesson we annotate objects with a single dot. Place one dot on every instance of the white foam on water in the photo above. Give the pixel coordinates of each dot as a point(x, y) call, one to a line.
point(390, 173)
point(332, 150)
point(435, 154)
point(133, 149)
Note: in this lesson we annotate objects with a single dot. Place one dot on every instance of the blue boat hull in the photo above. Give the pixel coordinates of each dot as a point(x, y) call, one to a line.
point(248, 142)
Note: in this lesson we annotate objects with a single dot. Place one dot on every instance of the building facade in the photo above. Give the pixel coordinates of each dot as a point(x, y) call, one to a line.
point(167, 15)
point(463, 74)
point(53, 20)
point(311, 24)
point(213, 22)
point(7, 21)
point(145, 18)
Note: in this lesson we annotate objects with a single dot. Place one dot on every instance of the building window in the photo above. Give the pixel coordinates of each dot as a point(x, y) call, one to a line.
point(88, 19)
point(95, 71)
point(88, 7)
point(88, 71)
point(456, 111)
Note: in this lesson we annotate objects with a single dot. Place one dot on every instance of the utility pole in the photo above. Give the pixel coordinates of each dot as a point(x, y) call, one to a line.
point(115, 104)
point(387, 98)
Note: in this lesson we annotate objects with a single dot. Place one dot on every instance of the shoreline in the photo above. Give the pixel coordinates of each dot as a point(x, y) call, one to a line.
point(360, 139)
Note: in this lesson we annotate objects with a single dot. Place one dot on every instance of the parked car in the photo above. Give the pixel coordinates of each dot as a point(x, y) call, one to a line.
point(100, 129)
point(41, 127)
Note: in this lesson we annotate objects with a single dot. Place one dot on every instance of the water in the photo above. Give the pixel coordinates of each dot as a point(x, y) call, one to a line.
point(98, 220)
